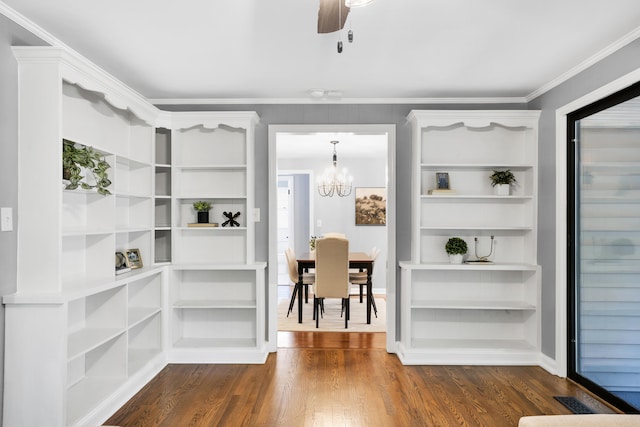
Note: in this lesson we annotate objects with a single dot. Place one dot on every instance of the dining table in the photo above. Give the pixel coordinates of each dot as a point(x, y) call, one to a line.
point(359, 260)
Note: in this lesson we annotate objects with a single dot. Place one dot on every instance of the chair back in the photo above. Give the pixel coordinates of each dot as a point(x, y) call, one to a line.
point(374, 254)
point(332, 268)
point(332, 234)
point(292, 264)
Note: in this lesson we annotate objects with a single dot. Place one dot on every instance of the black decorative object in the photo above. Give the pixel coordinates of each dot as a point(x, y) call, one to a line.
point(203, 217)
point(231, 221)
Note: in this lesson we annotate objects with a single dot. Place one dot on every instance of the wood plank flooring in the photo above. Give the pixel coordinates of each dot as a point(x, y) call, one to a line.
point(345, 379)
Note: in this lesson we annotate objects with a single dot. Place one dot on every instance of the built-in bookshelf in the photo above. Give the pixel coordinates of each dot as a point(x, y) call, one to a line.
point(486, 310)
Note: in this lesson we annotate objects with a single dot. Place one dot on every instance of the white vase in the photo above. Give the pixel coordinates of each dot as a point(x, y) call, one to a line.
point(455, 258)
point(502, 189)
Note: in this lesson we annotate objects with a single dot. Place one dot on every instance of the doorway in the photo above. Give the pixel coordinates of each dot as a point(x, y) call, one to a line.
point(319, 222)
point(603, 278)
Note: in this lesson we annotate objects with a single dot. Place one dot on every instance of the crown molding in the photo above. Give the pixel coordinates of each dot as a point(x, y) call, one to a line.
point(599, 56)
point(245, 101)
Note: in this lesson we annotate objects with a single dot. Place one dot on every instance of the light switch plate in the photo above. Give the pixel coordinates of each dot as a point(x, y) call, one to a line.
point(6, 219)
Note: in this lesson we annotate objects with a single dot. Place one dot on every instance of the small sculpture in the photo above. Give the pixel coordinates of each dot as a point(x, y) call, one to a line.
point(231, 219)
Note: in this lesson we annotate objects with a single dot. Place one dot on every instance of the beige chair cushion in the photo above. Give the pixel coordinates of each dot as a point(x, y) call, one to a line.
point(360, 277)
point(332, 268)
point(590, 420)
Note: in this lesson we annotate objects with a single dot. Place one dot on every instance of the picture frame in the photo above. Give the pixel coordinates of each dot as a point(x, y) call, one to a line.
point(371, 206)
point(122, 263)
point(134, 258)
point(442, 181)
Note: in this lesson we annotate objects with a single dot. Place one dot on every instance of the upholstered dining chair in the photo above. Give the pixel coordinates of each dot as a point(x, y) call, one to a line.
point(360, 278)
point(307, 278)
point(332, 274)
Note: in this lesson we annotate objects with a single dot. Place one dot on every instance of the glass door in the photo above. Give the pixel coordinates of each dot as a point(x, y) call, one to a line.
point(604, 253)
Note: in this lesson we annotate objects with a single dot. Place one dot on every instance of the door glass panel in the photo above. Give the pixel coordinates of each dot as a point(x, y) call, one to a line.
point(607, 250)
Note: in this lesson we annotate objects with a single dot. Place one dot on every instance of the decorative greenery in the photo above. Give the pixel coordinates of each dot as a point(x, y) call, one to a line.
point(456, 246)
point(75, 158)
point(502, 177)
point(201, 206)
point(312, 243)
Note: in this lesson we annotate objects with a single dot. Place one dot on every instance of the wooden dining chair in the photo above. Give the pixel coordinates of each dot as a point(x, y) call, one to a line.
point(307, 278)
point(360, 278)
point(333, 234)
point(332, 274)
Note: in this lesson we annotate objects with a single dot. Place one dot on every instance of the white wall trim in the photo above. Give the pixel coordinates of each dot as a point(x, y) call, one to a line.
point(241, 101)
point(561, 207)
point(390, 132)
point(599, 56)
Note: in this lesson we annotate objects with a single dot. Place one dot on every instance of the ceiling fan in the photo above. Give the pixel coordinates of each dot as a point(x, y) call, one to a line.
point(332, 14)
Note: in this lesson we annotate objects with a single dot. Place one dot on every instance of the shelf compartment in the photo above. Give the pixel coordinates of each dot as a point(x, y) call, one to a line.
point(140, 142)
point(214, 288)
point(163, 146)
point(210, 245)
point(144, 298)
point(476, 213)
point(510, 326)
point(200, 146)
point(162, 243)
point(132, 177)
point(94, 319)
point(186, 213)
point(163, 213)
point(145, 342)
point(136, 239)
point(505, 145)
point(490, 289)
point(83, 259)
point(510, 246)
point(475, 181)
point(133, 213)
point(202, 327)
point(88, 119)
point(87, 212)
point(94, 376)
point(163, 181)
point(211, 182)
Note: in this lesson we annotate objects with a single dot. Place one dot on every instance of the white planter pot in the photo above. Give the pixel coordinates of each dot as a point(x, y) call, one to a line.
point(502, 189)
point(456, 259)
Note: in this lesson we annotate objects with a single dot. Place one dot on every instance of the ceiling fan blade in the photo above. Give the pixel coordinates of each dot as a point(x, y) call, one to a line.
point(328, 16)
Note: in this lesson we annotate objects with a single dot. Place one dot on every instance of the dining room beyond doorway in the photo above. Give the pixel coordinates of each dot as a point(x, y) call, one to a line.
point(298, 155)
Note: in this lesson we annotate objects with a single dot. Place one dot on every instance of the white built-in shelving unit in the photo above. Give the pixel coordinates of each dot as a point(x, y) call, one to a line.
point(217, 292)
point(472, 313)
point(81, 340)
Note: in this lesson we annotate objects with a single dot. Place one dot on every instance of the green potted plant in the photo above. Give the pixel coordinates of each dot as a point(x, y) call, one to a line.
point(501, 181)
point(202, 207)
point(456, 248)
point(77, 158)
point(312, 243)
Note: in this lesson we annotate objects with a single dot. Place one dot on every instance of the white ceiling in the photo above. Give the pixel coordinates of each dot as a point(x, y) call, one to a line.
point(268, 50)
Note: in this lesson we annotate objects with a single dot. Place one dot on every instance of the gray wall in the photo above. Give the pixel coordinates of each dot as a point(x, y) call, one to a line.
point(614, 66)
point(10, 35)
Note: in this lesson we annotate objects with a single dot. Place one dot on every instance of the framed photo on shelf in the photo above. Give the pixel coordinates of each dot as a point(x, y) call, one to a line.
point(122, 263)
point(442, 181)
point(134, 258)
point(371, 206)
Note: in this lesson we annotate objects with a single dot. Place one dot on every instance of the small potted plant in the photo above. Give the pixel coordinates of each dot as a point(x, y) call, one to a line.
point(77, 159)
point(312, 244)
point(202, 207)
point(456, 248)
point(501, 182)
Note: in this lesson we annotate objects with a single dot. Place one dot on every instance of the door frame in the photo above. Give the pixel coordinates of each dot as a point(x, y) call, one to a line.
point(561, 221)
point(272, 300)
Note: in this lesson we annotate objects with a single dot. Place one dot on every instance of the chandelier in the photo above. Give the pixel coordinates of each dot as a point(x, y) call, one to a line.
point(333, 182)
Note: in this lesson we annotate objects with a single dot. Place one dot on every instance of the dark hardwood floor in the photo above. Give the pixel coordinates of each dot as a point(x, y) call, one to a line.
point(345, 379)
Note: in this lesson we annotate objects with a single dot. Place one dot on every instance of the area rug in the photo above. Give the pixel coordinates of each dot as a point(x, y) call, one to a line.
point(331, 320)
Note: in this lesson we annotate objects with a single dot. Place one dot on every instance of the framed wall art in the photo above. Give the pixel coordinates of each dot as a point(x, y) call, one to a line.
point(371, 206)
